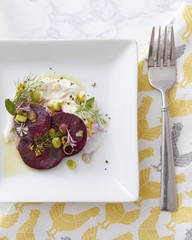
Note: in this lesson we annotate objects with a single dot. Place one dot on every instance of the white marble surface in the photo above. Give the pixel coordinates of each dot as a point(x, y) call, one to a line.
point(65, 19)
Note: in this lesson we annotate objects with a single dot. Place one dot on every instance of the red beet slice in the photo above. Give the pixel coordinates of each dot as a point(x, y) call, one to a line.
point(75, 125)
point(45, 161)
point(41, 126)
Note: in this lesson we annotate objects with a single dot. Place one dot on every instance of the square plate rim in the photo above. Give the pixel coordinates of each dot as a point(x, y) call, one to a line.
point(131, 41)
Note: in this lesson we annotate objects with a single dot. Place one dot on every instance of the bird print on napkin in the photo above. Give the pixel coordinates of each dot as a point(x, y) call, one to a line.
point(143, 80)
point(146, 153)
point(148, 189)
point(27, 228)
point(90, 234)
point(148, 230)
point(187, 73)
point(182, 215)
point(115, 213)
point(7, 221)
point(68, 222)
point(179, 160)
point(144, 131)
point(178, 107)
point(187, 15)
point(126, 236)
point(19, 206)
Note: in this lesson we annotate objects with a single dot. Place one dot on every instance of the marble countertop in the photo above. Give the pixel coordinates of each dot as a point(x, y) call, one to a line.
point(43, 19)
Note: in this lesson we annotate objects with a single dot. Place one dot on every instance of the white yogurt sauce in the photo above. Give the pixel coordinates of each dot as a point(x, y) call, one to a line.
point(8, 135)
point(59, 90)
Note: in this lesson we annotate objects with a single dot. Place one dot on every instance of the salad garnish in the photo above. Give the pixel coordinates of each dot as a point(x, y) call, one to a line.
point(53, 119)
point(26, 91)
point(22, 130)
point(86, 157)
point(86, 111)
point(51, 139)
point(71, 164)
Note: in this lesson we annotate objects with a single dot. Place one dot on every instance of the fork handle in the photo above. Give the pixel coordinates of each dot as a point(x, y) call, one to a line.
point(168, 200)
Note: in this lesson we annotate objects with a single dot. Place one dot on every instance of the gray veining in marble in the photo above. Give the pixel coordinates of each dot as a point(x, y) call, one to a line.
point(84, 18)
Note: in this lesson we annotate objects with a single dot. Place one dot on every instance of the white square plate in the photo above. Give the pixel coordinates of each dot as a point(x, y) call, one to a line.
point(112, 65)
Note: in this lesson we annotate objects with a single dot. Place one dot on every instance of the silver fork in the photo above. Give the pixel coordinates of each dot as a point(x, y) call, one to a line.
point(162, 76)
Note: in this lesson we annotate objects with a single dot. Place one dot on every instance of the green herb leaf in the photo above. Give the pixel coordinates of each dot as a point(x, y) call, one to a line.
point(10, 106)
point(89, 102)
point(22, 99)
point(87, 113)
point(30, 85)
point(53, 152)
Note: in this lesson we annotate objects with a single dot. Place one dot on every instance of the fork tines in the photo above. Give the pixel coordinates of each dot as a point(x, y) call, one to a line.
point(159, 57)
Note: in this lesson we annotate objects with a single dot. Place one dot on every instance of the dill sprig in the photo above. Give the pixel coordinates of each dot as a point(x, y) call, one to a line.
point(25, 89)
point(23, 93)
point(86, 111)
point(46, 141)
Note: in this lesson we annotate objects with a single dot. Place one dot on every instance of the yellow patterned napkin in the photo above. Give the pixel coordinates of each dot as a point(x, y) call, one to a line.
point(143, 219)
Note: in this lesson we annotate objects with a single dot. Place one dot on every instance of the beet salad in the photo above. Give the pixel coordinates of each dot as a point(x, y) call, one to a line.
point(50, 119)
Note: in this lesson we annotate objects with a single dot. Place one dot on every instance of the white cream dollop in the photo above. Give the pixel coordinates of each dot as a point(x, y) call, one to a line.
point(8, 135)
point(61, 90)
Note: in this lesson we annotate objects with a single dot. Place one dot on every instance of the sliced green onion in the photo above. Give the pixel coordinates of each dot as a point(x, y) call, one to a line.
point(64, 138)
point(56, 106)
point(35, 95)
point(71, 164)
point(86, 158)
point(56, 141)
point(21, 118)
point(51, 132)
point(31, 115)
point(67, 149)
